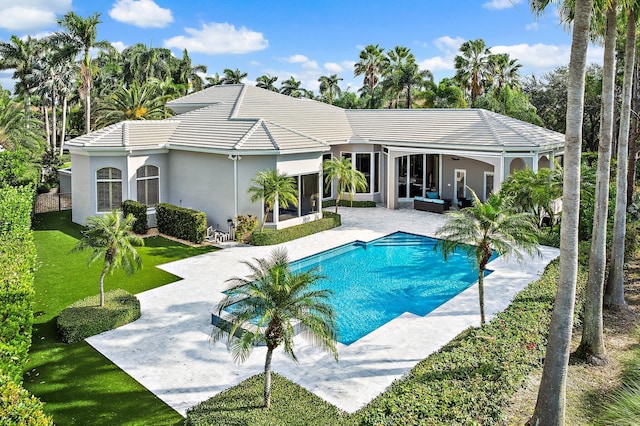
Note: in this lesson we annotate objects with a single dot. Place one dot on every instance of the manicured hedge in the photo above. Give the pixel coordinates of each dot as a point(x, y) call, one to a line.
point(243, 405)
point(347, 203)
point(139, 211)
point(180, 222)
point(17, 265)
point(86, 317)
point(276, 236)
point(18, 407)
point(471, 379)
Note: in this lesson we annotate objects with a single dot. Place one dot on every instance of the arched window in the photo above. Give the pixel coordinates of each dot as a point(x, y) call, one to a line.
point(148, 183)
point(109, 189)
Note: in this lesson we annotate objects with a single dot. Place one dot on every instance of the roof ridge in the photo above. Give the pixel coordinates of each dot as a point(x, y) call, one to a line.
point(298, 132)
point(271, 138)
point(237, 103)
point(506, 121)
point(490, 125)
point(250, 133)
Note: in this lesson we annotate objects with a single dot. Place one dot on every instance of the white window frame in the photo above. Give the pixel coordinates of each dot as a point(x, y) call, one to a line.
point(484, 184)
point(455, 182)
point(109, 181)
point(138, 179)
point(372, 172)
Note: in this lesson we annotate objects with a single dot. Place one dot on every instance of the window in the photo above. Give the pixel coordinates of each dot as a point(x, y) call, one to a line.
point(308, 201)
point(148, 184)
point(109, 189)
point(363, 165)
point(369, 164)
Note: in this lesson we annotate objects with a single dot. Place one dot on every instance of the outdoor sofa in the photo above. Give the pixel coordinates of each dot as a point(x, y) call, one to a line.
point(431, 203)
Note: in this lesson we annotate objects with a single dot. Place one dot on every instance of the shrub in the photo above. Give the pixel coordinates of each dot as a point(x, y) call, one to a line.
point(471, 379)
point(277, 236)
point(87, 318)
point(245, 225)
point(243, 405)
point(18, 407)
point(17, 265)
point(347, 203)
point(139, 211)
point(180, 222)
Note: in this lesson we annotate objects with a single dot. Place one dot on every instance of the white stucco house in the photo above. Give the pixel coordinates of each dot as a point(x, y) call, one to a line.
point(205, 156)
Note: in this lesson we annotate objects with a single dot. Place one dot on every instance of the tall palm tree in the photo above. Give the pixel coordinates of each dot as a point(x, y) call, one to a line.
point(291, 87)
point(267, 82)
point(397, 60)
point(273, 298)
point(233, 76)
point(18, 54)
point(131, 103)
point(347, 178)
point(614, 294)
point(372, 65)
point(410, 76)
point(80, 37)
point(504, 71)
point(329, 87)
point(550, 405)
point(273, 188)
point(213, 80)
point(472, 67)
point(109, 239)
point(487, 227)
point(592, 348)
point(188, 74)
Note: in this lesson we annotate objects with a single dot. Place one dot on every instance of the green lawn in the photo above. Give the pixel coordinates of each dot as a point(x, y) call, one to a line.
point(79, 385)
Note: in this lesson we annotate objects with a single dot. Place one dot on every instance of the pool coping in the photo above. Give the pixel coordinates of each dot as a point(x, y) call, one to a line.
point(168, 349)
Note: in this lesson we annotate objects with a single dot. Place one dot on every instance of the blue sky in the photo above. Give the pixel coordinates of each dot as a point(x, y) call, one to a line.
point(307, 39)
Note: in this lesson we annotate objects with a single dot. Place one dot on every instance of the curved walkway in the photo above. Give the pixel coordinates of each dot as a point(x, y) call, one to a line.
point(168, 349)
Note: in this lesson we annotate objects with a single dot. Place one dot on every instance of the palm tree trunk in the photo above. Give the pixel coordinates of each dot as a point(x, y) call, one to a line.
point(592, 347)
point(633, 138)
point(54, 124)
point(550, 405)
point(614, 294)
point(267, 378)
point(104, 272)
point(46, 124)
point(64, 124)
point(264, 219)
point(338, 197)
point(481, 295)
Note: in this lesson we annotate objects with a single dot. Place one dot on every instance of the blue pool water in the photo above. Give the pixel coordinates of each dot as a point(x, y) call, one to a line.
point(375, 282)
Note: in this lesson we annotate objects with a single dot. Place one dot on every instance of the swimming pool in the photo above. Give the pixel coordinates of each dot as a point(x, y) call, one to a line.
point(375, 282)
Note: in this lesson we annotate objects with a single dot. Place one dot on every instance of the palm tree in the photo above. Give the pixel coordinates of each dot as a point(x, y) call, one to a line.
point(132, 103)
point(267, 82)
point(80, 38)
point(189, 75)
point(108, 238)
point(372, 65)
point(592, 348)
point(472, 67)
point(273, 188)
point(614, 294)
point(329, 87)
point(18, 54)
point(273, 298)
point(550, 405)
point(347, 178)
point(291, 87)
point(233, 76)
point(487, 227)
point(15, 135)
point(504, 71)
point(213, 80)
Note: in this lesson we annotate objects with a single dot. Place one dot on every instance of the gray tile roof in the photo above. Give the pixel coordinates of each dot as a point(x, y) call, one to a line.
point(246, 118)
point(439, 127)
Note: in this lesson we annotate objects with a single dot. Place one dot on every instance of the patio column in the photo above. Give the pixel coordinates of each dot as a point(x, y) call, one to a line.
point(392, 197)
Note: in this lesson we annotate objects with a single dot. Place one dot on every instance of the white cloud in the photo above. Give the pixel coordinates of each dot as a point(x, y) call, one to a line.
point(436, 63)
point(118, 45)
point(541, 57)
point(219, 38)
point(449, 47)
point(254, 63)
point(532, 26)
point(500, 4)
point(333, 67)
point(141, 13)
point(296, 59)
point(31, 15)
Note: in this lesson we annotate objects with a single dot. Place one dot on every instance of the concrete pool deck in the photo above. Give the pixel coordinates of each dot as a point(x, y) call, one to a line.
point(168, 349)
